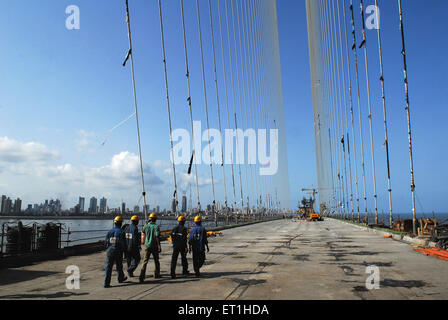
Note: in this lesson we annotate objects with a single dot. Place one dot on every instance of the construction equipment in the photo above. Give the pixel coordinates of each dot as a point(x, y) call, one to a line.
point(313, 192)
point(440, 235)
point(306, 210)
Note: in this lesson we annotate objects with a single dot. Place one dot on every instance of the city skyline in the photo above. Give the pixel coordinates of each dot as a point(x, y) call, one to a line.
point(54, 207)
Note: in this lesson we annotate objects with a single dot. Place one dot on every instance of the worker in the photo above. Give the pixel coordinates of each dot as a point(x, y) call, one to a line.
point(197, 242)
point(115, 244)
point(133, 246)
point(152, 246)
point(179, 239)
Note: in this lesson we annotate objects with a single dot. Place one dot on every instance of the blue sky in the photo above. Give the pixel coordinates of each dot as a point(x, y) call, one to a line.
point(63, 90)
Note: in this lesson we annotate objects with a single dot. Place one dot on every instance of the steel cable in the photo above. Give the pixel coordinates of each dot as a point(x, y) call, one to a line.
point(175, 195)
point(370, 109)
point(128, 20)
point(405, 72)
point(234, 100)
point(217, 100)
point(351, 110)
point(386, 139)
point(354, 47)
point(206, 105)
point(346, 141)
point(227, 99)
point(190, 103)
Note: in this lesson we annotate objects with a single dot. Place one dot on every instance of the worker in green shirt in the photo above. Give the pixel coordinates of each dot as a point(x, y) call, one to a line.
point(152, 246)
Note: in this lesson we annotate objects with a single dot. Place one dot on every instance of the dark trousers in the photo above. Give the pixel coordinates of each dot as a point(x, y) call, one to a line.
point(155, 254)
point(133, 259)
point(198, 260)
point(183, 254)
point(114, 257)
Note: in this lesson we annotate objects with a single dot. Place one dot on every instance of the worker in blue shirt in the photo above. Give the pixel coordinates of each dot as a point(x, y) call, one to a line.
point(197, 243)
point(179, 237)
point(115, 244)
point(133, 246)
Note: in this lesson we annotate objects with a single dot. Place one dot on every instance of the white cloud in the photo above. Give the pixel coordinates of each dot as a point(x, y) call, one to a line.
point(12, 151)
point(64, 173)
point(185, 180)
point(159, 164)
point(122, 172)
point(84, 142)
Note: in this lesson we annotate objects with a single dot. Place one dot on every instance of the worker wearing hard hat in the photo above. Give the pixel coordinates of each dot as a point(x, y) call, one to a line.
point(115, 244)
point(179, 239)
point(152, 246)
point(133, 246)
point(198, 242)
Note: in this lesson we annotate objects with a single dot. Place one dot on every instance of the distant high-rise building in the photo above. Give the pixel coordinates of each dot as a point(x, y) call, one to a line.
point(18, 206)
point(93, 205)
point(56, 206)
point(2, 204)
point(7, 206)
point(184, 204)
point(173, 206)
point(123, 208)
point(46, 206)
point(136, 209)
point(158, 209)
point(82, 202)
point(103, 205)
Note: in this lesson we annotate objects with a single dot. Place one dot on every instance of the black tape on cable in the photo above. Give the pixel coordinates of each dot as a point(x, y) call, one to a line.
point(191, 164)
point(127, 57)
point(362, 44)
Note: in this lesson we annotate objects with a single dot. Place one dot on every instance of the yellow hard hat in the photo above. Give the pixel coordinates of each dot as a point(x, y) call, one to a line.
point(181, 218)
point(135, 218)
point(197, 219)
point(118, 219)
point(153, 216)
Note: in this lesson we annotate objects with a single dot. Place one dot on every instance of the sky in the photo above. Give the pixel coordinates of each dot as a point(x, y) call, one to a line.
point(62, 90)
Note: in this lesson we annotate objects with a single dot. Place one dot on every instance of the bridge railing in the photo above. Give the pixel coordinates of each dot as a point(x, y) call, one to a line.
point(19, 239)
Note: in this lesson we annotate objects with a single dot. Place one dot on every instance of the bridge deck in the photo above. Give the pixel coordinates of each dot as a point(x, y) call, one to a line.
point(276, 260)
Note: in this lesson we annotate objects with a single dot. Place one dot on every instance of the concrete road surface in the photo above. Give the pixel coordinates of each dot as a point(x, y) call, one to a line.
point(279, 260)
